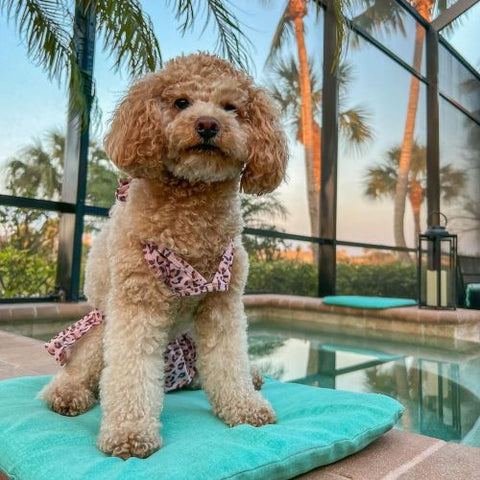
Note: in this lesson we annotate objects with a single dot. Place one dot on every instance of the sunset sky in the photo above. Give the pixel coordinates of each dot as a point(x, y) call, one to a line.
point(30, 105)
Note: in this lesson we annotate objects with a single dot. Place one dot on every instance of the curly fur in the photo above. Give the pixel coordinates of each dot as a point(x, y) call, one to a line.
point(188, 201)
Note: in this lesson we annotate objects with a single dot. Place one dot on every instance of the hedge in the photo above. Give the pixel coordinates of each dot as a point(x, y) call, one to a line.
point(300, 278)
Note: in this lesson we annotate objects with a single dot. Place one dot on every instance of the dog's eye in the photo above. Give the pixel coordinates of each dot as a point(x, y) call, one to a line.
point(182, 103)
point(229, 107)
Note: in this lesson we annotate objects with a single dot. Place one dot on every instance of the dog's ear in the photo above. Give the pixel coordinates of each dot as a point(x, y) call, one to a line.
point(135, 140)
point(268, 154)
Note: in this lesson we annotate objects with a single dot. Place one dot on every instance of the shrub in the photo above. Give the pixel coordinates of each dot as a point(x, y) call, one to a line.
point(386, 280)
point(289, 277)
point(294, 277)
point(23, 273)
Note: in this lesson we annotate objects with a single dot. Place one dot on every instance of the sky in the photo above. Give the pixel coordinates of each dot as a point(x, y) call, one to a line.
point(30, 105)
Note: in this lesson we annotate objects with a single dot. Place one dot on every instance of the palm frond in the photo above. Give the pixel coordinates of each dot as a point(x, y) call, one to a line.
point(285, 87)
point(255, 210)
point(345, 76)
point(283, 32)
point(232, 43)
point(43, 25)
point(128, 36)
point(354, 125)
point(380, 18)
point(452, 182)
point(338, 9)
point(380, 181)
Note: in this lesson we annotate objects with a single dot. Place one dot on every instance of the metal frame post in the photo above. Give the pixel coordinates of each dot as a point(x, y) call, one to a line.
point(76, 159)
point(433, 126)
point(328, 182)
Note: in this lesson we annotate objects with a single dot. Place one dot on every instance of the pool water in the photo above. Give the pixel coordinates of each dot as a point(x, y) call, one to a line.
point(437, 381)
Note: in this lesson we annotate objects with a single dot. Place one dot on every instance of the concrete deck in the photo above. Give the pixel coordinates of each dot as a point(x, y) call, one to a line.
point(396, 455)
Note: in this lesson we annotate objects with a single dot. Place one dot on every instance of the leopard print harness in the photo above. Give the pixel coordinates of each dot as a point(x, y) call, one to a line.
point(183, 280)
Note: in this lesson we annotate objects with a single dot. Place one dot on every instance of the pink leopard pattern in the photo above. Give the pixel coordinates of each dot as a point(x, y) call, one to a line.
point(178, 274)
point(180, 355)
point(180, 358)
point(59, 345)
point(181, 277)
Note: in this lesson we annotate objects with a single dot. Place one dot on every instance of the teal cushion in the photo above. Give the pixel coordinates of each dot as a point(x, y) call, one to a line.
point(368, 302)
point(315, 427)
point(472, 295)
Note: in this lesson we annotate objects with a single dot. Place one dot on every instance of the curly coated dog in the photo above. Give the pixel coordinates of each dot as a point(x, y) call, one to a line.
point(192, 137)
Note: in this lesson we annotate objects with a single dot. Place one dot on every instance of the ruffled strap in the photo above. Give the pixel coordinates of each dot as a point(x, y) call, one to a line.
point(59, 346)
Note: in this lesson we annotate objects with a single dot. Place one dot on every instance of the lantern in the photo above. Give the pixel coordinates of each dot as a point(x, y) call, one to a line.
point(437, 267)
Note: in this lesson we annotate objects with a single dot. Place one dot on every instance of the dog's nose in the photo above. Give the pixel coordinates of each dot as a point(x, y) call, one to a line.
point(207, 127)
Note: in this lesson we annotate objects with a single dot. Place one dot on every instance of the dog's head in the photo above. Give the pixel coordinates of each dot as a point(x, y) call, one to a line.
point(202, 121)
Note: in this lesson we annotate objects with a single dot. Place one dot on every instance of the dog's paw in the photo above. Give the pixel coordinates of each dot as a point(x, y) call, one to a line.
point(254, 411)
point(125, 443)
point(68, 399)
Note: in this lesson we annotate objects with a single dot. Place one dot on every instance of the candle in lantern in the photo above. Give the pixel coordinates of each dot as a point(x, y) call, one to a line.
point(432, 288)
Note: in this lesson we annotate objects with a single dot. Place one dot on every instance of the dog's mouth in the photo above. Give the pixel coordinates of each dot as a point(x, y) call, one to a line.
point(204, 147)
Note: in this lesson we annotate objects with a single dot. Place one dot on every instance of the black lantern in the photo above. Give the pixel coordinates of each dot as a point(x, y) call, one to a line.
point(437, 267)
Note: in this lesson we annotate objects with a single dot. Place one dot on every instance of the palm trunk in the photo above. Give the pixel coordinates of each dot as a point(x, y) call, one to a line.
point(406, 151)
point(307, 123)
point(416, 197)
point(317, 157)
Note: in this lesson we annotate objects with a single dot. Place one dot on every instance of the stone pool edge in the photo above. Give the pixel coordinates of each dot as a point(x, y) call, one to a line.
point(460, 324)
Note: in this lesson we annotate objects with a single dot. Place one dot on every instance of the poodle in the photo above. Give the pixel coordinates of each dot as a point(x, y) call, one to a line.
point(191, 137)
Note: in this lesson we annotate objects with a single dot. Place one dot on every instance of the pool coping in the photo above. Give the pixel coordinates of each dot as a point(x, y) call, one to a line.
point(459, 324)
point(412, 313)
point(55, 310)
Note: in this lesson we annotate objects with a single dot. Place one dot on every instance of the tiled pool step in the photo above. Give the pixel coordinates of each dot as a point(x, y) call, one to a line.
point(396, 455)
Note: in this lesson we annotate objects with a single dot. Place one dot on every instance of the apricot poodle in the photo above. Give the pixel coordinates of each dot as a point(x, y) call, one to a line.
point(191, 137)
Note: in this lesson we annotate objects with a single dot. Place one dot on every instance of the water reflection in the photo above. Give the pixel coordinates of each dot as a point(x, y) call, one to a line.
point(437, 382)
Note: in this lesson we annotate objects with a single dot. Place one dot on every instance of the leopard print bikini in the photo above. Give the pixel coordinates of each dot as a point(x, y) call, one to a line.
point(183, 280)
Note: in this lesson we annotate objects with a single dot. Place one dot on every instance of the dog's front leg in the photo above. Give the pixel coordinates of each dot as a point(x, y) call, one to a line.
point(131, 386)
point(221, 337)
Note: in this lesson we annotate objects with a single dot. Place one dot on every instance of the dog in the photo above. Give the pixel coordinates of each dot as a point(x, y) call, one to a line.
point(191, 137)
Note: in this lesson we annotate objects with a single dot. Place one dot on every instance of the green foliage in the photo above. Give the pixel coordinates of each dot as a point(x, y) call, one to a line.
point(289, 277)
point(28, 237)
point(259, 212)
point(37, 273)
point(284, 85)
point(102, 178)
point(46, 27)
point(387, 280)
point(294, 277)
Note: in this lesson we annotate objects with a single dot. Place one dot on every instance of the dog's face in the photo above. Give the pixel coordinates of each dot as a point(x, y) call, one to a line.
point(203, 121)
point(206, 129)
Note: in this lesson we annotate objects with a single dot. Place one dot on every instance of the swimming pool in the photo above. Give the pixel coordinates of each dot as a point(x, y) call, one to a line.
point(437, 380)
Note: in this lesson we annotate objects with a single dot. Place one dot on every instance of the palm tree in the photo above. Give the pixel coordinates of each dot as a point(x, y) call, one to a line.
point(387, 16)
point(292, 19)
point(46, 28)
point(37, 173)
point(353, 122)
point(381, 180)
